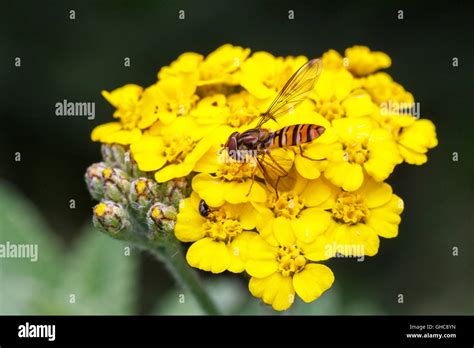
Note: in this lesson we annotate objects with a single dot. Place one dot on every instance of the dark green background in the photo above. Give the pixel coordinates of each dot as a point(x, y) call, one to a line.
point(76, 59)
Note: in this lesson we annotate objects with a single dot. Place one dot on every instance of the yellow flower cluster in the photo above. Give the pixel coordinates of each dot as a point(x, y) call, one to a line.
point(336, 205)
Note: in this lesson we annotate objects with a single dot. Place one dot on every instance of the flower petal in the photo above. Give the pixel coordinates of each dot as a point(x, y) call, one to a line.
point(261, 258)
point(310, 224)
point(209, 255)
point(385, 219)
point(189, 222)
point(283, 231)
point(274, 290)
point(238, 251)
point(312, 281)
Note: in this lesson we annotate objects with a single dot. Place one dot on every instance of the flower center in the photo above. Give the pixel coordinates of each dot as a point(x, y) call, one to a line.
point(236, 171)
point(330, 108)
point(220, 227)
point(287, 205)
point(350, 208)
point(176, 149)
point(290, 260)
point(356, 152)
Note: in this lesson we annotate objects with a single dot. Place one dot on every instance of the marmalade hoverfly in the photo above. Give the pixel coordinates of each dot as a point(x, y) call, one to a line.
point(260, 141)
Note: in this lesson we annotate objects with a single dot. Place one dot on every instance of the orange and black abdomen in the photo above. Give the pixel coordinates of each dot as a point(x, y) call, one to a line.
point(296, 134)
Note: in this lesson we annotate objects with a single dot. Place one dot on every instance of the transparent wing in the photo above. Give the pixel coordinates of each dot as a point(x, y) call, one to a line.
point(295, 90)
point(275, 165)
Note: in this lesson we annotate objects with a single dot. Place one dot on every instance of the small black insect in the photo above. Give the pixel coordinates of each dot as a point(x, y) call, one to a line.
point(203, 208)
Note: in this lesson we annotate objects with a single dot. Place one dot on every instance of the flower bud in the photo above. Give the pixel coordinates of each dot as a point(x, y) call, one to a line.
point(175, 190)
point(161, 219)
point(94, 180)
point(132, 166)
point(110, 217)
point(114, 155)
point(116, 185)
point(142, 194)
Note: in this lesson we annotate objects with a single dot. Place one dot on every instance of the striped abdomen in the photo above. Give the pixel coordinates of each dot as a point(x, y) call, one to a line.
point(296, 134)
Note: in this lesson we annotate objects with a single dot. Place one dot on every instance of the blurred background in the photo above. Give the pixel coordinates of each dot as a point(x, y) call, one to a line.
point(76, 59)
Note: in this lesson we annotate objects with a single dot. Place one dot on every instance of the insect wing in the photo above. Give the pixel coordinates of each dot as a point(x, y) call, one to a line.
point(274, 165)
point(296, 89)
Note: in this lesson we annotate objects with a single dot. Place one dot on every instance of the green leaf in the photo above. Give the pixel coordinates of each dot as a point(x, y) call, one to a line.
point(96, 271)
point(23, 280)
point(100, 276)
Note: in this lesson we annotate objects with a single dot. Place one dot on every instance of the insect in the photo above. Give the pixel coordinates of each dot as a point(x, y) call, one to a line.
point(203, 208)
point(261, 141)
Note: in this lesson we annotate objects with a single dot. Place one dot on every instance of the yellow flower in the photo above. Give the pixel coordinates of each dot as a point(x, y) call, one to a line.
point(125, 99)
point(280, 268)
point(415, 140)
point(263, 75)
point(361, 216)
point(413, 136)
point(293, 211)
point(219, 65)
point(335, 96)
point(113, 133)
point(237, 111)
point(186, 66)
point(365, 148)
point(166, 100)
point(220, 239)
point(382, 88)
point(224, 180)
point(332, 60)
point(173, 150)
point(363, 61)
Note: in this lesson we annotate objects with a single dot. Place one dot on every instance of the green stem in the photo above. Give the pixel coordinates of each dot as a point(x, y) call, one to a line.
point(169, 252)
point(188, 277)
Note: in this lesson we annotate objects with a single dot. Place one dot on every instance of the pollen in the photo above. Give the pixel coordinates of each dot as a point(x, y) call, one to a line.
point(350, 208)
point(177, 148)
point(330, 108)
point(356, 152)
point(288, 205)
point(290, 260)
point(236, 171)
point(220, 227)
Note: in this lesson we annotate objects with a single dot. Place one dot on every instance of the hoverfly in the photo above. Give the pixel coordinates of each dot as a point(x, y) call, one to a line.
point(261, 141)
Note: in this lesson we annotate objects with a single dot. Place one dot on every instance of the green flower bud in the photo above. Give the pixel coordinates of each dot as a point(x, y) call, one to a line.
point(114, 155)
point(161, 219)
point(94, 180)
point(143, 193)
point(132, 166)
point(175, 190)
point(110, 217)
point(116, 185)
